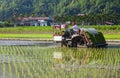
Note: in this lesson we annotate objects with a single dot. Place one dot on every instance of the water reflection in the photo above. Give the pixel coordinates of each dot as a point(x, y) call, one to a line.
point(74, 58)
point(113, 46)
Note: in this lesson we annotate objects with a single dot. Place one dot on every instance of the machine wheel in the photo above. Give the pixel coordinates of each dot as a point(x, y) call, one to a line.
point(74, 43)
point(78, 41)
point(82, 41)
point(64, 43)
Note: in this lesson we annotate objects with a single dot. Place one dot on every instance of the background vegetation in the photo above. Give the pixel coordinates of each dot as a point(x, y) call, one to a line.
point(12, 8)
point(91, 19)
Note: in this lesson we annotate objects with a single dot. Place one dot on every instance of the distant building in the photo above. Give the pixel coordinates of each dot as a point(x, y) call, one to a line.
point(1, 23)
point(109, 23)
point(35, 21)
point(80, 14)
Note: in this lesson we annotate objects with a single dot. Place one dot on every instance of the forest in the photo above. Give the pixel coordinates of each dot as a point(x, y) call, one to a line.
point(14, 8)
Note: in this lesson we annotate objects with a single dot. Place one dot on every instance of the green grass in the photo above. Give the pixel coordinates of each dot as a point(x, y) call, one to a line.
point(26, 35)
point(26, 30)
point(47, 28)
point(112, 36)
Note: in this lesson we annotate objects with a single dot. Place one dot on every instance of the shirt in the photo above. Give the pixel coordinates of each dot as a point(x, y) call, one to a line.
point(75, 28)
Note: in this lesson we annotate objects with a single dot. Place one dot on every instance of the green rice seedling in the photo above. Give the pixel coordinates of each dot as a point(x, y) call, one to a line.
point(29, 73)
point(3, 69)
point(24, 76)
point(20, 51)
point(18, 74)
point(15, 67)
point(13, 49)
point(10, 70)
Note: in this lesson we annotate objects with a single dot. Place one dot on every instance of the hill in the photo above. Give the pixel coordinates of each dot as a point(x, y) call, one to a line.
point(12, 8)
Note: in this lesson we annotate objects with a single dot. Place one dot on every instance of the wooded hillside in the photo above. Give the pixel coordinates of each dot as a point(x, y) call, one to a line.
point(12, 8)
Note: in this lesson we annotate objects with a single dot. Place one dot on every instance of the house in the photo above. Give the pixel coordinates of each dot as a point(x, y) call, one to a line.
point(35, 21)
point(1, 23)
point(109, 23)
point(80, 14)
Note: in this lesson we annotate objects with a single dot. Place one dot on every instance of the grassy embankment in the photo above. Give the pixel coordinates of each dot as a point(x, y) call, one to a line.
point(110, 32)
point(26, 32)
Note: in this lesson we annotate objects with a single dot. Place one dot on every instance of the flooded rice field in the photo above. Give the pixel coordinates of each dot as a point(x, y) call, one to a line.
point(111, 44)
point(46, 59)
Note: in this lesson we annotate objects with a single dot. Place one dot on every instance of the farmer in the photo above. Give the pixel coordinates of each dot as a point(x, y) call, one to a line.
point(70, 31)
point(75, 28)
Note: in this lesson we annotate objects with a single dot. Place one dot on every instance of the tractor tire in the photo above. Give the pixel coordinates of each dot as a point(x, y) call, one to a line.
point(64, 43)
point(79, 41)
point(74, 44)
point(74, 41)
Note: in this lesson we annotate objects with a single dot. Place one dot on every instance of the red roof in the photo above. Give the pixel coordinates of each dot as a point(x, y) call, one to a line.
point(33, 18)
point(38, 18)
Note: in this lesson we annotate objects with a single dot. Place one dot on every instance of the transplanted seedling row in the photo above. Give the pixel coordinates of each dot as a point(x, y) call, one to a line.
point(39, 62)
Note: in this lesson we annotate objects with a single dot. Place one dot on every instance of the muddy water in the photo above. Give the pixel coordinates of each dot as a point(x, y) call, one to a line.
point(111, 44)
point(25, 43)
